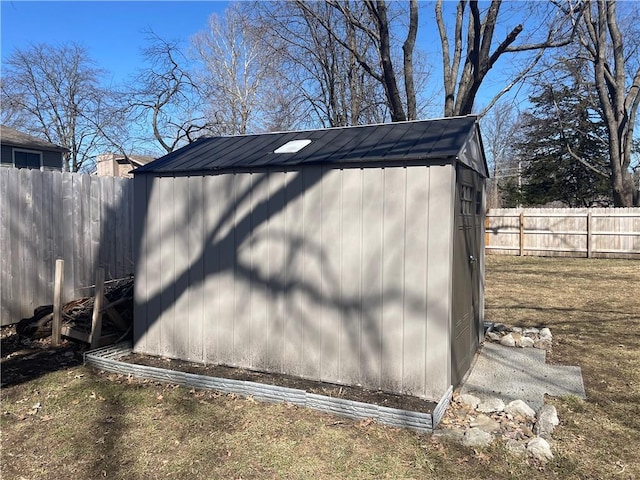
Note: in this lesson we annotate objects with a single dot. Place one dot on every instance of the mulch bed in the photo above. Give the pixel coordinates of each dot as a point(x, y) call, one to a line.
point(358, 394)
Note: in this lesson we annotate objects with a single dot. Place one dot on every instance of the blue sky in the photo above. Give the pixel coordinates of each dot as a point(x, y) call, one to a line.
point(113, 32)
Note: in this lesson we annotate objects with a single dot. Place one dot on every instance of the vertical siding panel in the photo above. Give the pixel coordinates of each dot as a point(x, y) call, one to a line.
point(142, 208)
point(371, 276)
point(255, 319)
point(227, 258)
point(178, 341)
point(295, 314)
point(415, 281)
point(331, 286)
point(261, 285)
point(154, 244)
point(439, 279)
point(166, 229)
point(277, 253)
point(242, 277)
point(351, 255)
point(195, 261)
point(211, 207)
point(393, 277)
point(314, 255)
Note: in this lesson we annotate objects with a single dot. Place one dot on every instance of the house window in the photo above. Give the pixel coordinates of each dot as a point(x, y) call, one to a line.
point(27, 159)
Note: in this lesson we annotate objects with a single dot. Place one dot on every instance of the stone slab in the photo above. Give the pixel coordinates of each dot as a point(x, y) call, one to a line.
point(516, 373)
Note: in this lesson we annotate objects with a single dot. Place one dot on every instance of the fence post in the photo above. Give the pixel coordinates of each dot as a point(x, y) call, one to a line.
point(589, 237)
point(96, 318)
point(521, 234)
point(56, 326)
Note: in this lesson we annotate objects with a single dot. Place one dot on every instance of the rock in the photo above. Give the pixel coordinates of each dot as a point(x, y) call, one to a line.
point(508, 340)
point(525, 342)
point(547, 421)
point(469, 400)
point(527, 432)
point(515, 448)
point(494, 336)
point(499, 327)
point(491, 405)
point(545, 332)
point(539, 449)
point(519, 407)
point(486, 424)
point(531, 331)
point(449, 435)
point(474, 437)
point(543, 343)
point(516, 329)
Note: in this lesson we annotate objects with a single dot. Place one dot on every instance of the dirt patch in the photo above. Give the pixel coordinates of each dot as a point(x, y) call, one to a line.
point(24, 359)
point(358, 394)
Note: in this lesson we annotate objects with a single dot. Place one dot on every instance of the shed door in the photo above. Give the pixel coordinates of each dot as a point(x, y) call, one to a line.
point(466, 272)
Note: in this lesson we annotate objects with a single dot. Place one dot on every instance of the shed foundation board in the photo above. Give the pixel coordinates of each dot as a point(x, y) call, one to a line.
point(109, 359)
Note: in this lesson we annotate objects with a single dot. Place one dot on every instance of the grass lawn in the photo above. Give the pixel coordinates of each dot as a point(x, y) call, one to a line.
point(79, 423)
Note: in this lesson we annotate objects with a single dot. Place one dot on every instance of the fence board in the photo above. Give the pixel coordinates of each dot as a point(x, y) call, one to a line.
point(573, 232)
point(50, 215)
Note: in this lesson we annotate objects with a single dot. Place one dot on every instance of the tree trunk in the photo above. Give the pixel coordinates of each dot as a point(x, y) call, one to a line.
point(619, 104)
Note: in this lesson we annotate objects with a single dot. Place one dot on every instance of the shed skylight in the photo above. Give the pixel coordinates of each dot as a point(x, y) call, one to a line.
point(293, 146)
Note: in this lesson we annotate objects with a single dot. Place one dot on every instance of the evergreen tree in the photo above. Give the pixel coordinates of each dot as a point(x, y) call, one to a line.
point(562, 147)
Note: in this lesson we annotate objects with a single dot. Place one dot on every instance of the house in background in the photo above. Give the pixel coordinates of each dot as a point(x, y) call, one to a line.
point(117, 165)
point(21, 150)
point(347, 255)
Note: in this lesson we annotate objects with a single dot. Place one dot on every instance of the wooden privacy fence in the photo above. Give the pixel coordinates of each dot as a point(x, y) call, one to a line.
point(83, 219)
point(570, 232)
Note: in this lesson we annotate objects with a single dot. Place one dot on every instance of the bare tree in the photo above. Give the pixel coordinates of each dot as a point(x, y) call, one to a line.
point(166, 97)
point(499, 128)
point(235, 71)
point(326, 79)
point(617, 79)
point(374, 21)
point(470, 52)
point(55, 92)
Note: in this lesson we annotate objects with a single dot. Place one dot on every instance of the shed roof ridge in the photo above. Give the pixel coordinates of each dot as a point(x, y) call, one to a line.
point(381, 124)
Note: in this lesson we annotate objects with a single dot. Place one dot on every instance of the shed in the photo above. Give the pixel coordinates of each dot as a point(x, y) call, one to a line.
point(346, 255)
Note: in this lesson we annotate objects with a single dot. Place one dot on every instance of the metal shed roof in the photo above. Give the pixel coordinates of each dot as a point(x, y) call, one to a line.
point(392, 142)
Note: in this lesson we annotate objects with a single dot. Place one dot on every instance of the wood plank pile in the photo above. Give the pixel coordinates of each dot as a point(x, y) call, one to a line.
point(117, 315)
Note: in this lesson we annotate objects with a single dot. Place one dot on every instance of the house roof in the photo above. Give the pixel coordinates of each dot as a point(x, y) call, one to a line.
point(412, 141)
point(13, 137)
point(136, 160)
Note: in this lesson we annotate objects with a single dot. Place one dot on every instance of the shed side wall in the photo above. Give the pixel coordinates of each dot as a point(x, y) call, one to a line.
point(334, 275)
